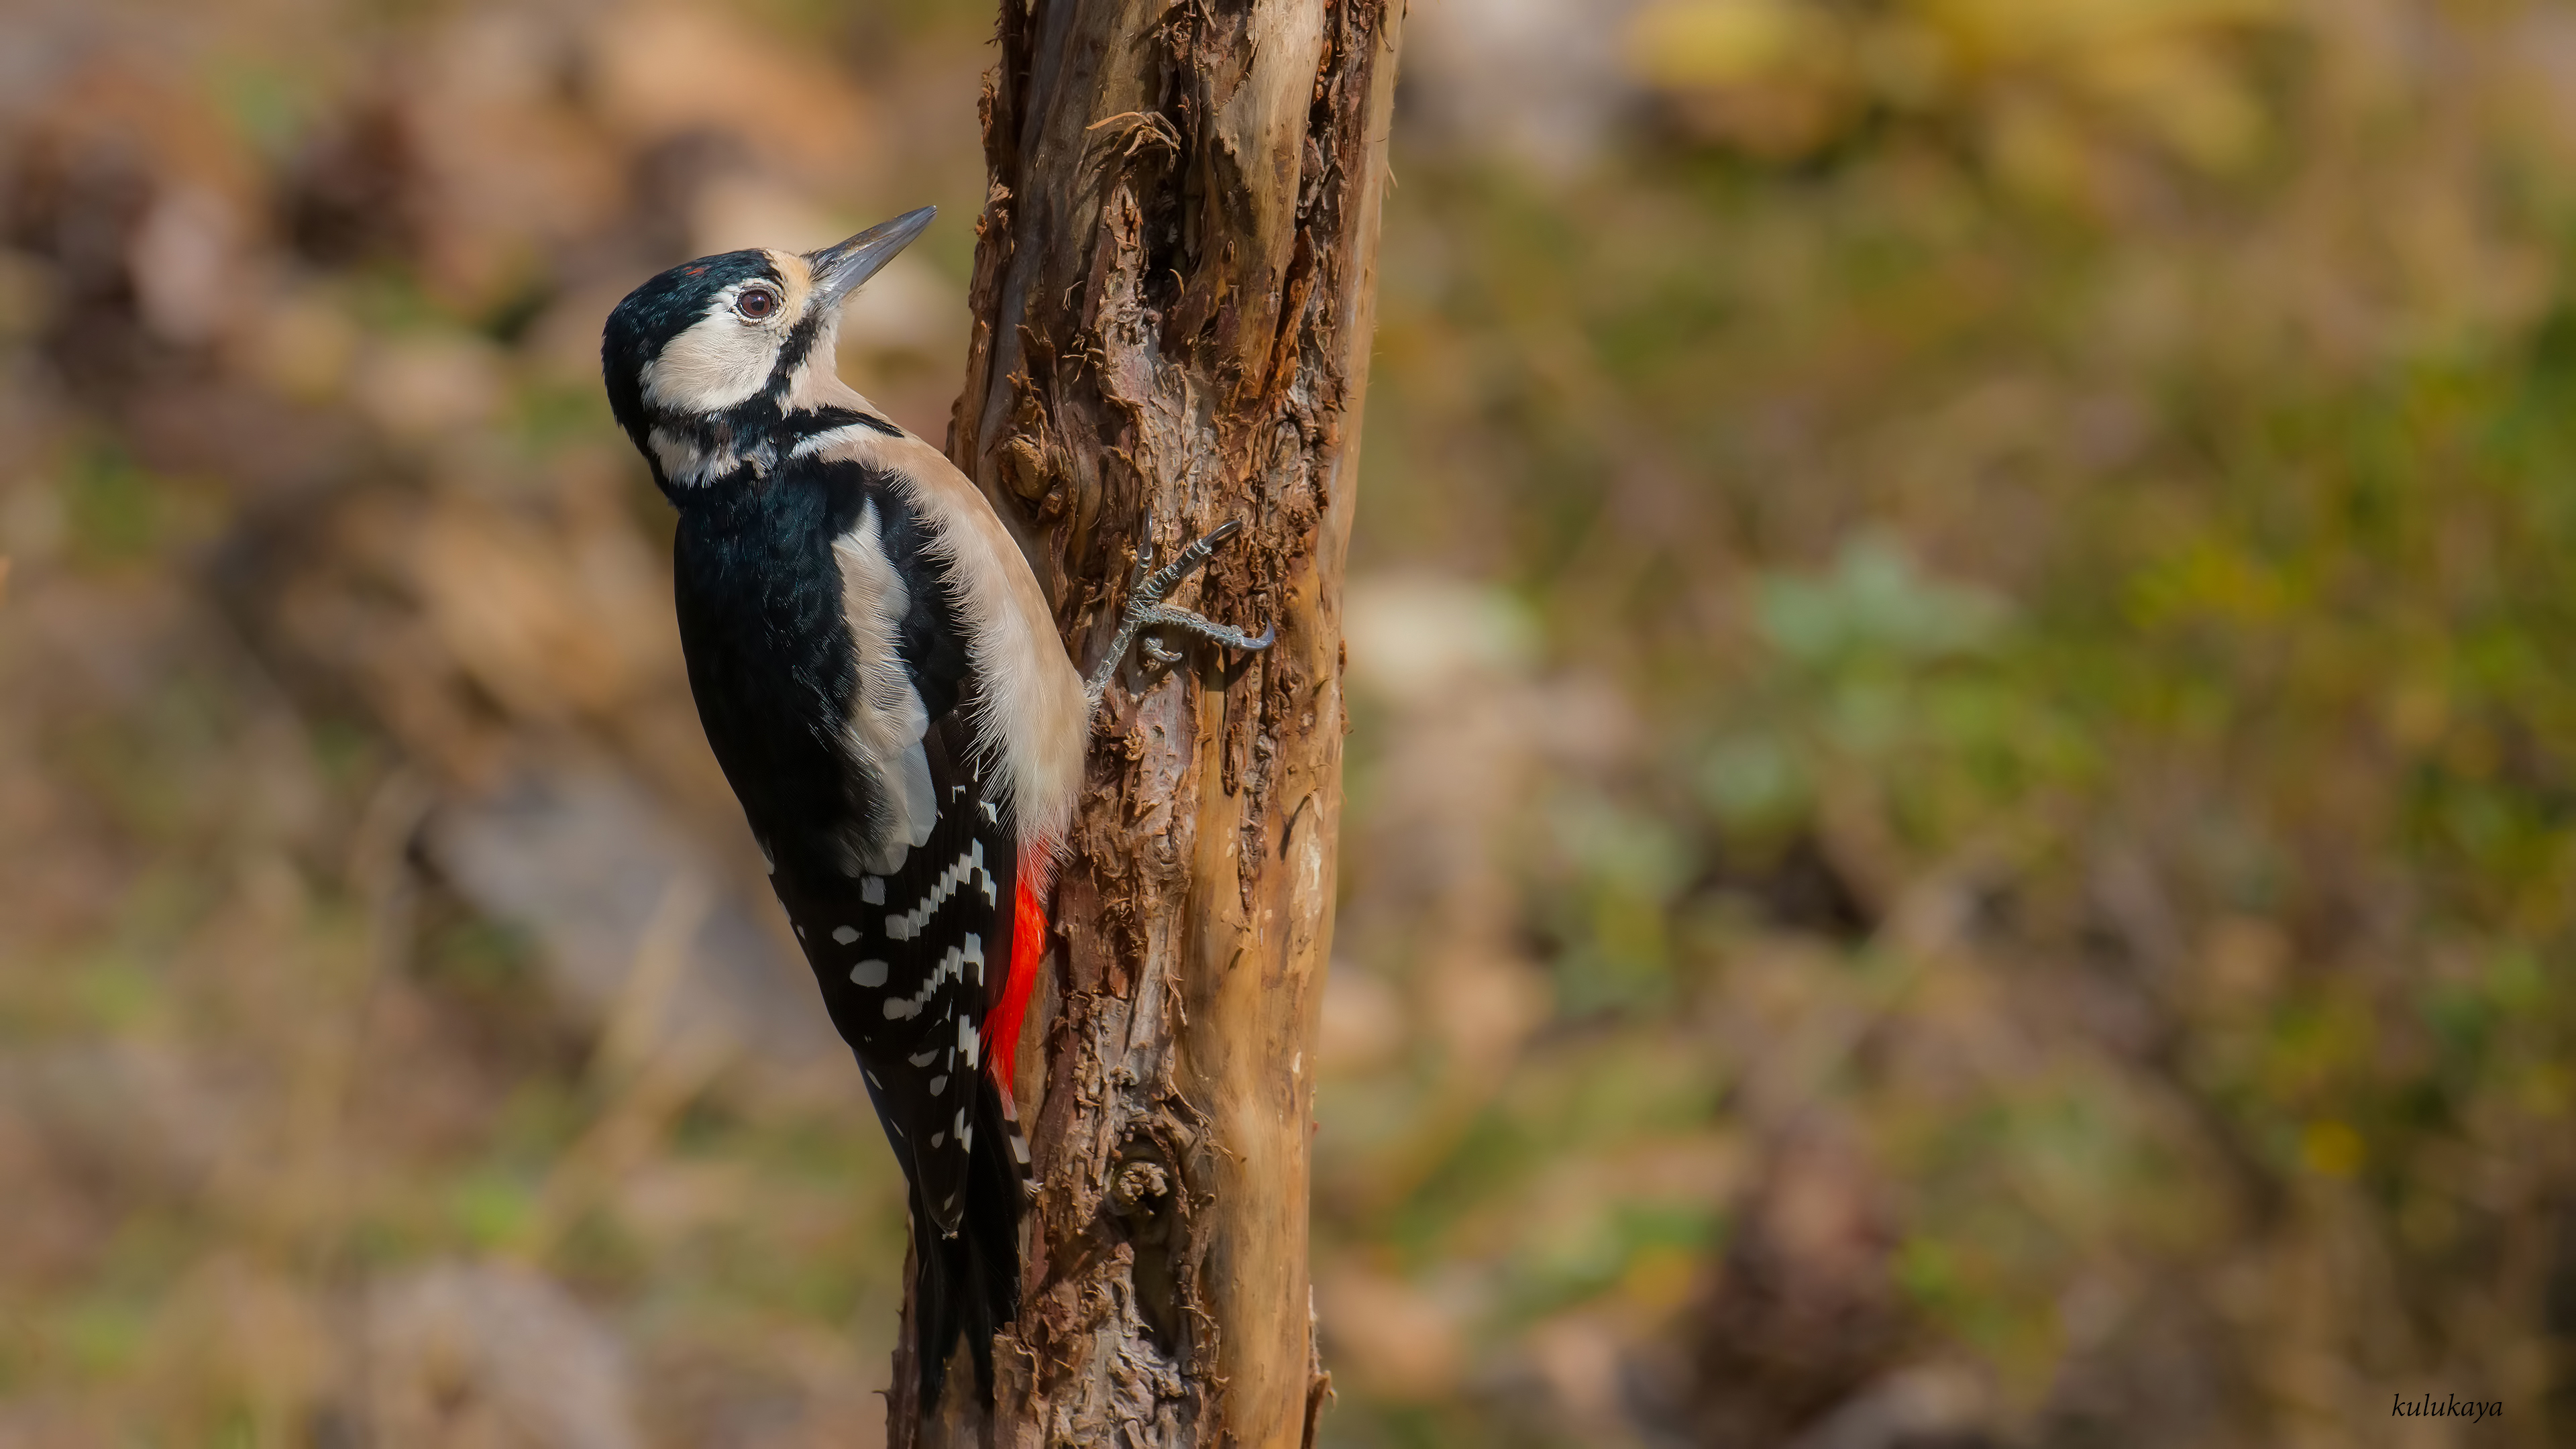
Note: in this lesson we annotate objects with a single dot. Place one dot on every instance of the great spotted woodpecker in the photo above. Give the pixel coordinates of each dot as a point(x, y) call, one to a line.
point(881, 680)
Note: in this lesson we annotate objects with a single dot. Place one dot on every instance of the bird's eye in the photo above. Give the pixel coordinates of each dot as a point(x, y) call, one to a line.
point(756, 303)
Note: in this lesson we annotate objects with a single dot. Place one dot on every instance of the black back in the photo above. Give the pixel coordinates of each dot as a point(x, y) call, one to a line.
point(771, 659)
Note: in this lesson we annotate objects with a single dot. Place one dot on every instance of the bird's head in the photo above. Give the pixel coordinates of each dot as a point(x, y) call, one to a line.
point(707, 360)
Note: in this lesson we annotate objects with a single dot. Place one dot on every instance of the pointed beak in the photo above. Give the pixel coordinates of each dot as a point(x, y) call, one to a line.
point(838, 270)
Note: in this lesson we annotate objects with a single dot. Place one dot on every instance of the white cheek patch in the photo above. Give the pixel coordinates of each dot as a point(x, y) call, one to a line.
point(719, 362)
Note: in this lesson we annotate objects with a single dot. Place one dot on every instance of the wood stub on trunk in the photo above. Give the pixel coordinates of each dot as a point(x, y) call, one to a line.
point(1173, 299)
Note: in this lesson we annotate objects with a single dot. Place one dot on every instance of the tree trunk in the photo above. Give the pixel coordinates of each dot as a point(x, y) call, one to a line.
point(1173, 294)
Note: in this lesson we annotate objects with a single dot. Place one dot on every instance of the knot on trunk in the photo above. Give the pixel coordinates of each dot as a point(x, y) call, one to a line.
point(1139, 1186)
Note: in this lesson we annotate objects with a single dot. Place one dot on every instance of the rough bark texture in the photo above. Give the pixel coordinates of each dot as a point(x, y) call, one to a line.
point(1173, 293)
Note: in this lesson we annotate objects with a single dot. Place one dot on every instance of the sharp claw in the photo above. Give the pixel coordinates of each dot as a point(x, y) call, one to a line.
point(1154, 585)
point(1144, 554)
point(1145, 604)
point(1207, 628)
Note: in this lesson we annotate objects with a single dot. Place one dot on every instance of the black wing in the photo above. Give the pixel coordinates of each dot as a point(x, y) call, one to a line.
point(909, 962)
point(910, 952)
point(780, 652)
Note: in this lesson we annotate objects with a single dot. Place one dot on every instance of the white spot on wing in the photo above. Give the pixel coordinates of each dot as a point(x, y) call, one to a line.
point(966, 868)
point(872, 891)
point(844, 935)
point(869, 974)
point(951, 967)
point(938, 1085)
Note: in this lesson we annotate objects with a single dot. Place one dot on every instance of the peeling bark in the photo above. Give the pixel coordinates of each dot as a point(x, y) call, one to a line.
point(1173, 295)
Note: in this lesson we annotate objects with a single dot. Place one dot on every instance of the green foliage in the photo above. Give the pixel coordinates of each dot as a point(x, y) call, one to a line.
point(2172, 688)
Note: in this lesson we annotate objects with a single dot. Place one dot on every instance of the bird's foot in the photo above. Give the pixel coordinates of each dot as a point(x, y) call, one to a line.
point(1146, 609)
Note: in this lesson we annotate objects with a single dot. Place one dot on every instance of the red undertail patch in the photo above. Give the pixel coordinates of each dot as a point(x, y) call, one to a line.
point(1028, 943)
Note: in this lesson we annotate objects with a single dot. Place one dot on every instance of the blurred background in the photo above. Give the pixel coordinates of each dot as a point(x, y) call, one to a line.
point(1963, 788)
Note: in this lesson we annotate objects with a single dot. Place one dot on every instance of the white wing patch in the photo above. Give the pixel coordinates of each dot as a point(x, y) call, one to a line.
point(887, 719)
point(1032, 723)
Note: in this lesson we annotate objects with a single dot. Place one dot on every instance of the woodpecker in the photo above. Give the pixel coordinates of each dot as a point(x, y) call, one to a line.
point(880, 678)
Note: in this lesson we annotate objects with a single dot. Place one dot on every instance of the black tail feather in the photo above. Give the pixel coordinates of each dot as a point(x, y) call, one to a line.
point(968, 1283)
